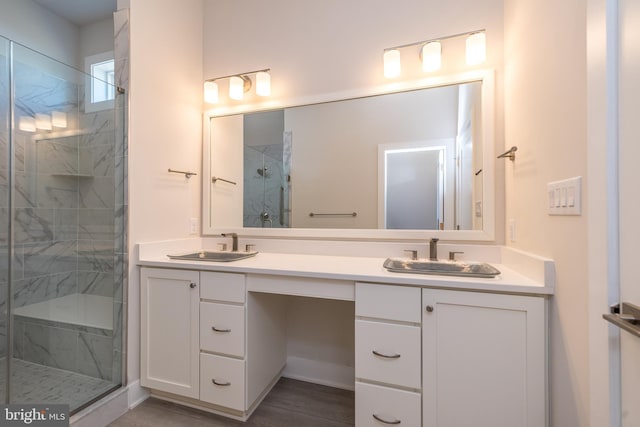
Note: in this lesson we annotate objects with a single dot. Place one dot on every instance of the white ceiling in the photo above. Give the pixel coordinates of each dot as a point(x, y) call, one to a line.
point(80, 12)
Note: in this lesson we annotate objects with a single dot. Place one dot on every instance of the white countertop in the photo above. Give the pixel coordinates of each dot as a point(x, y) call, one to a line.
point(356, 268)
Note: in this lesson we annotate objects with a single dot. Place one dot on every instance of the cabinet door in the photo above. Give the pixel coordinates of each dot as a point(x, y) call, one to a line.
point(169, 331)
point(484, 360)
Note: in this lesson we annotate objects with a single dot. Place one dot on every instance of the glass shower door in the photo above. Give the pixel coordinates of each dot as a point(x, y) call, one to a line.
point(67, 211)
point(4, 212)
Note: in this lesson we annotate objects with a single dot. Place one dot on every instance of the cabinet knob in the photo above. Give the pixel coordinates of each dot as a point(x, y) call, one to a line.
point(429, 309)
point(192, 285)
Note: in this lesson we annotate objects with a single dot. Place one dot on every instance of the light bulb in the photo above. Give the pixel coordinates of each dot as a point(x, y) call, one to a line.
point(391, 63)
point(476, 48)
point(210, 92)
point(236, 88)
point(431, 56)
point(263, 83)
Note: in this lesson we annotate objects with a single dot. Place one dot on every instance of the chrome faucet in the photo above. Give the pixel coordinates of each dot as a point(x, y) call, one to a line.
point(433, 249)
point(234, 240)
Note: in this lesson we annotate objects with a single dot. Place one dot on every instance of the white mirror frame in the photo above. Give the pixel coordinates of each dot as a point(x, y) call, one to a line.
point(488, 166)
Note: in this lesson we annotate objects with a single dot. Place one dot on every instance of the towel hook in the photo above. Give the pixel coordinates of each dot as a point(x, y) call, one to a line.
point(510, 154)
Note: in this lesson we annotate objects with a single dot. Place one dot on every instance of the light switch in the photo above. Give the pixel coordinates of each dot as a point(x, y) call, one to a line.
point(565, 197)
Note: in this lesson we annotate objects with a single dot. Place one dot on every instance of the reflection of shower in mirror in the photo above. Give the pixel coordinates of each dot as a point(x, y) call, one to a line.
point(264, 172)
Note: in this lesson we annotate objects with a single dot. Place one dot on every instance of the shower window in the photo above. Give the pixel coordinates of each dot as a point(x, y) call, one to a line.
point(100, 78)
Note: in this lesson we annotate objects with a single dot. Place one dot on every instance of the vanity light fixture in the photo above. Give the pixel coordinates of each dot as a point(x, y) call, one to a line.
point(476, 48)
point(391, 59)
point(210, 92)
point(239, 84)
point(431, 52)
point(431, 56)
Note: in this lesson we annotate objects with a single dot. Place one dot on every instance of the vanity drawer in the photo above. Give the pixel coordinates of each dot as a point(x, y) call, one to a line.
point(222, 286)
point(377, 406)
point(228, 335)
point(400, 303)
point(397, 354)
point(222, 381)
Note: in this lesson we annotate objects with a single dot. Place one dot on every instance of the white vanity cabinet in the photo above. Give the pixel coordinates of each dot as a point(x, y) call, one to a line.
point(484, 359)
point(169, 330)
point(208, 343)
point(388, 356)
point(222, 339)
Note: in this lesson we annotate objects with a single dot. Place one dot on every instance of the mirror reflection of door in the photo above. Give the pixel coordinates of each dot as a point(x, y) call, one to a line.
point(414, 188)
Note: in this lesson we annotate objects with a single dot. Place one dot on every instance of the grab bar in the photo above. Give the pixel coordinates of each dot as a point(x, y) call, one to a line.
point(282, 206)
point(312, 214)
point(214, 179)
point(627, 318)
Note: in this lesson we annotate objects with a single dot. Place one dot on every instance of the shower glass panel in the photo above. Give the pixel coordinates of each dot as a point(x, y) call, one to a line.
point(65, 201)
point(267, 164)
point(4, 210)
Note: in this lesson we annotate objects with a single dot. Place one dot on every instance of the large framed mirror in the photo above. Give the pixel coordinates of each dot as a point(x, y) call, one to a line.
point(405, 161)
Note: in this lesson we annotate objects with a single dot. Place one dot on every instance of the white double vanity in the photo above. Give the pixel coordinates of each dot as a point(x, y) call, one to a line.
point(429, 350)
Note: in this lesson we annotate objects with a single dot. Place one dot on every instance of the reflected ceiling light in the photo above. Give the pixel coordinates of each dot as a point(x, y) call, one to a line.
point(210, 92)
point(27, 124)
point(391, 60)
point(431, 56)
point(239, 84)
point(476, 47)
point(59, 119)
point(431, 52)
point(43, 121)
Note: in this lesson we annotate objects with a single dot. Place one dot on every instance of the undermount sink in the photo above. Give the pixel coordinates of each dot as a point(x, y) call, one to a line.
point(446, 268)
point(214, 256)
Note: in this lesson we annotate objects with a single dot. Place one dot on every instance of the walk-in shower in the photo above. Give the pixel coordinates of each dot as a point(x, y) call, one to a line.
point(267, 164)
point(62, 234)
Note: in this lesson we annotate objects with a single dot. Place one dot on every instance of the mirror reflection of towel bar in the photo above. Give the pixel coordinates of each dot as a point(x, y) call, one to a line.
point(333, 214)
point(214, 179)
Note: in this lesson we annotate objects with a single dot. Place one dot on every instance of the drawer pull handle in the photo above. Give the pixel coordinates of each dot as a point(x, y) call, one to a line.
point(382, 420)
point(213, 328)
point(221, 384)
point(386, 356)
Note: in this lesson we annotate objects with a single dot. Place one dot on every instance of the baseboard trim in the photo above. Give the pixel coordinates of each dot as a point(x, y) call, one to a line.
point(319, 372)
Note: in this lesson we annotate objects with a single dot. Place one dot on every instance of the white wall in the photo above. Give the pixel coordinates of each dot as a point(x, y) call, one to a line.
point(96, 38)
point(546, 117)
point(35, 27)
point(165, 132)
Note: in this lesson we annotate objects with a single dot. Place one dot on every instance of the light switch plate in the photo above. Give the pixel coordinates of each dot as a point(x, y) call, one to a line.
point(565, 197)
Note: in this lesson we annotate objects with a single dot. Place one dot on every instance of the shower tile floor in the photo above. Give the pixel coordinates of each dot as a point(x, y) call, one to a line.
point(33, 383)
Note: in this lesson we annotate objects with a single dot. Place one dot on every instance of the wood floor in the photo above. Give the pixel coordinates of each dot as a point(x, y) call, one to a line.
point(291, 403)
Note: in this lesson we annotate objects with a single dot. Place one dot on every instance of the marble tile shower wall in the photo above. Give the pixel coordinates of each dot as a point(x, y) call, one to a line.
point(64, 221)
point(262, 191)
